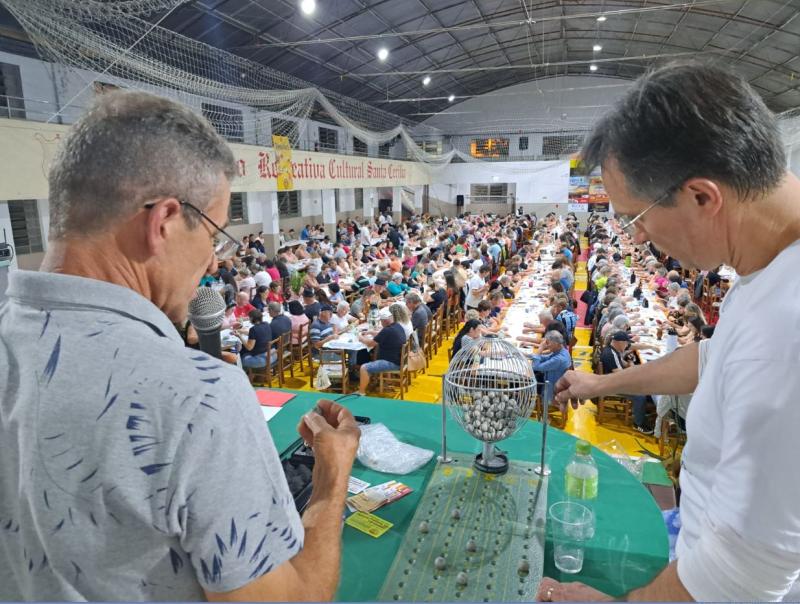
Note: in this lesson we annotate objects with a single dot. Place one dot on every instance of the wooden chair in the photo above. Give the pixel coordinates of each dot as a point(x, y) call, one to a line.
point(429, 341)
point(670, 434)
point(336, 367)
point(439, 327)
point(285, 357)
point(617, 406)
point(302, 350)
point(400, 379)
point(272, 370)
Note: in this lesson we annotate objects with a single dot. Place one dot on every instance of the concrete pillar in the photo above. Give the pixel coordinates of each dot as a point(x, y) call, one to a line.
point(370, 202)
point(262, 206)
point(418, 193)
point(329, 212)
point(397, 204)
point(43, 206)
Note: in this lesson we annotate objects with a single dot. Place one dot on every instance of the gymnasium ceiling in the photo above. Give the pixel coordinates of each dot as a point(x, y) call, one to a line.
point(471, 47)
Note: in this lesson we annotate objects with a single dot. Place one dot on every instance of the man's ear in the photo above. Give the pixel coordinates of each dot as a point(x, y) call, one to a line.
point(705, 194)
point(163, 221)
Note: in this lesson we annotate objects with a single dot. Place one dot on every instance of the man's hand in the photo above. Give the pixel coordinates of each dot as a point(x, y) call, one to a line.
point(577, 386)
point(333, 434)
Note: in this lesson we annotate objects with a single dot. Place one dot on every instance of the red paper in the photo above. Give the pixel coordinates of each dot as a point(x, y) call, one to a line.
point(273, 398)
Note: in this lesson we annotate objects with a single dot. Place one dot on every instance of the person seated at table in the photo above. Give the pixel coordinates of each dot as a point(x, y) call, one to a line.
point(361, 305)
point(301, 252)
point(396, 285)
point(321, 330)
point(283, 270)
point(243, 306)
point(256, 344)
point(289, 256)
point(279, 323)
point(613, 359)
point(322, 297)
point(409, 277)
point(562, 312)
point(324, 275)
point(246, 282)
point(552, 359)
point(310, 304)
point(310, 280)
point(401, 317)
point(467, 336)
point(409, 259)
point(379, 287)
point(420, 314)
point(305, 233)
point(390, 340)
point(360, 282)
point(489, 325)
point(275, 293)
point(344, 267)
point(298, 318)
point(435, 295)
point(229, 319)
point(336, 294)
point(342, 318)
point(498, 304)
point(260, 300)
point(504, 285)
point(394, 263)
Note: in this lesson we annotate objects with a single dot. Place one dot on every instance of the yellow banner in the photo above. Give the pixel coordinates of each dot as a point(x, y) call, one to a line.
point(283, 151)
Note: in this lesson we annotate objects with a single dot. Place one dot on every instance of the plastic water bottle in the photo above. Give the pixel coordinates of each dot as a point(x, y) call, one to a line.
point(581, 478)
point(672, 340)
point(373, 319)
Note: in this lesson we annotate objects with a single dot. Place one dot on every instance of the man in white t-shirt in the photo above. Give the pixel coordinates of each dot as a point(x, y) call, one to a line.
point(262, 278)
point(477, 287)
point(694, 162)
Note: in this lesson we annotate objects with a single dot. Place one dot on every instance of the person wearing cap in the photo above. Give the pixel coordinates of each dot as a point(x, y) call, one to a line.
point(396, 285)
point(321, 330)
point(613, 359)
point(390, 340)
point(380, 286)
point(310, 304)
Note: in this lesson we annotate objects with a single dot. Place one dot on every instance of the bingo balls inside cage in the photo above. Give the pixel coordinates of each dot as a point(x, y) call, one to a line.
point(490, 389)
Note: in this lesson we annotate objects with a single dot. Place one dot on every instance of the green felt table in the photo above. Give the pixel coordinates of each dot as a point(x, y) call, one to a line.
point(630, 544)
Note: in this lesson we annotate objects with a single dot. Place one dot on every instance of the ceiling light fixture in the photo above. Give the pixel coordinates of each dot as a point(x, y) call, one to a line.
point(451, 98)
point(597, 48)
point(592, 67)
point(308, 6)
point(383, 54)
point(426, 80)
point(601, 18)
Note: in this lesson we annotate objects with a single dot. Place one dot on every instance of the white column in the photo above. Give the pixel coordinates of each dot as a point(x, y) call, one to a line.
point(5, 224)
point(43, 206)
point(370, 202)
point(397, 204)
point(310, 207)
point(262, 206)
point(347, 201)
point(329, 212)
point(418, 193)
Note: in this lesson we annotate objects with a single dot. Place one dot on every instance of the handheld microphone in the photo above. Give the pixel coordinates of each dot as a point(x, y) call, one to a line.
point(206, 311)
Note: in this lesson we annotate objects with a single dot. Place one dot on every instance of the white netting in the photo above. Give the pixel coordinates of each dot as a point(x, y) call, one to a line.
point(112, 41)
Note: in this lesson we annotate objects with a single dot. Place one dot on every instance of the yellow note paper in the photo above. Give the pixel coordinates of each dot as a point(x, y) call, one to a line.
point(368, 523)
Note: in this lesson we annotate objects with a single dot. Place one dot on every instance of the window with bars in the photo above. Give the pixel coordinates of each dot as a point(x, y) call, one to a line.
point(328, 139)
point(523, 143)
point(489, 148)
point(226, 120)
point(564, 144)
point(359, 146)
point(289, 204)
point(11, 101)
point(358, 194)
point(25, 227)
point(384, 148)
point(493, 193)
point(288, 128)
point(237, 210)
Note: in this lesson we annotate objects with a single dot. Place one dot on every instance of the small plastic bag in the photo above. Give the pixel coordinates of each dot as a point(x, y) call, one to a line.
point(380, 450)
point(323, 381)
point(634, 465)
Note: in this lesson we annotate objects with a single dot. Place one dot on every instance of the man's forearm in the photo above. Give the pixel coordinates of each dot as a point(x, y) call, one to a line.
point(675, 373)
point(666, 587)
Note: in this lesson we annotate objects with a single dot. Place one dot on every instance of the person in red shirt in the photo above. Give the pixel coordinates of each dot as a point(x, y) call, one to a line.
point(272, 270)
point(243, 306)
point(275, 294)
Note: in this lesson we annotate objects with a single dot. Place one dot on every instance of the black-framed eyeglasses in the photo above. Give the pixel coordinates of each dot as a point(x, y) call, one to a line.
point(224, 249)
point(629, 226)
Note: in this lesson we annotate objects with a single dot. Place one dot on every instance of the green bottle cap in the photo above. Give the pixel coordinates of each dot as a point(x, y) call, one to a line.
point(583, 447)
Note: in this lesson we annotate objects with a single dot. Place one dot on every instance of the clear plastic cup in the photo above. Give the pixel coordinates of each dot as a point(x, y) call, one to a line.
point(573, 526)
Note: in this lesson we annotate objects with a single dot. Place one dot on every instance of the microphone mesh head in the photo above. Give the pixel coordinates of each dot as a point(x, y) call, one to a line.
point(206, 310)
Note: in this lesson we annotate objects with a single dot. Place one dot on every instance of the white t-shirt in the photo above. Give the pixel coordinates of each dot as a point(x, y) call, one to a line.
point(475, 283)
point(366, 238)
point(262, 278)
point(740, 467)
point(247, 285)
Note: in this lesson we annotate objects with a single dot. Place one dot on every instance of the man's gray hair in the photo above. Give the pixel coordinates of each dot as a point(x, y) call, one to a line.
point(554, 336)
point(413, 297)
point(620, 322)
point(275, 308)
point(342, 305)
point(128, 149)
point(546, 314)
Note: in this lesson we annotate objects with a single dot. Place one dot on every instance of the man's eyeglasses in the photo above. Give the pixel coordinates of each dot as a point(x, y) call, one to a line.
point(224, 249)
point(629, 226)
